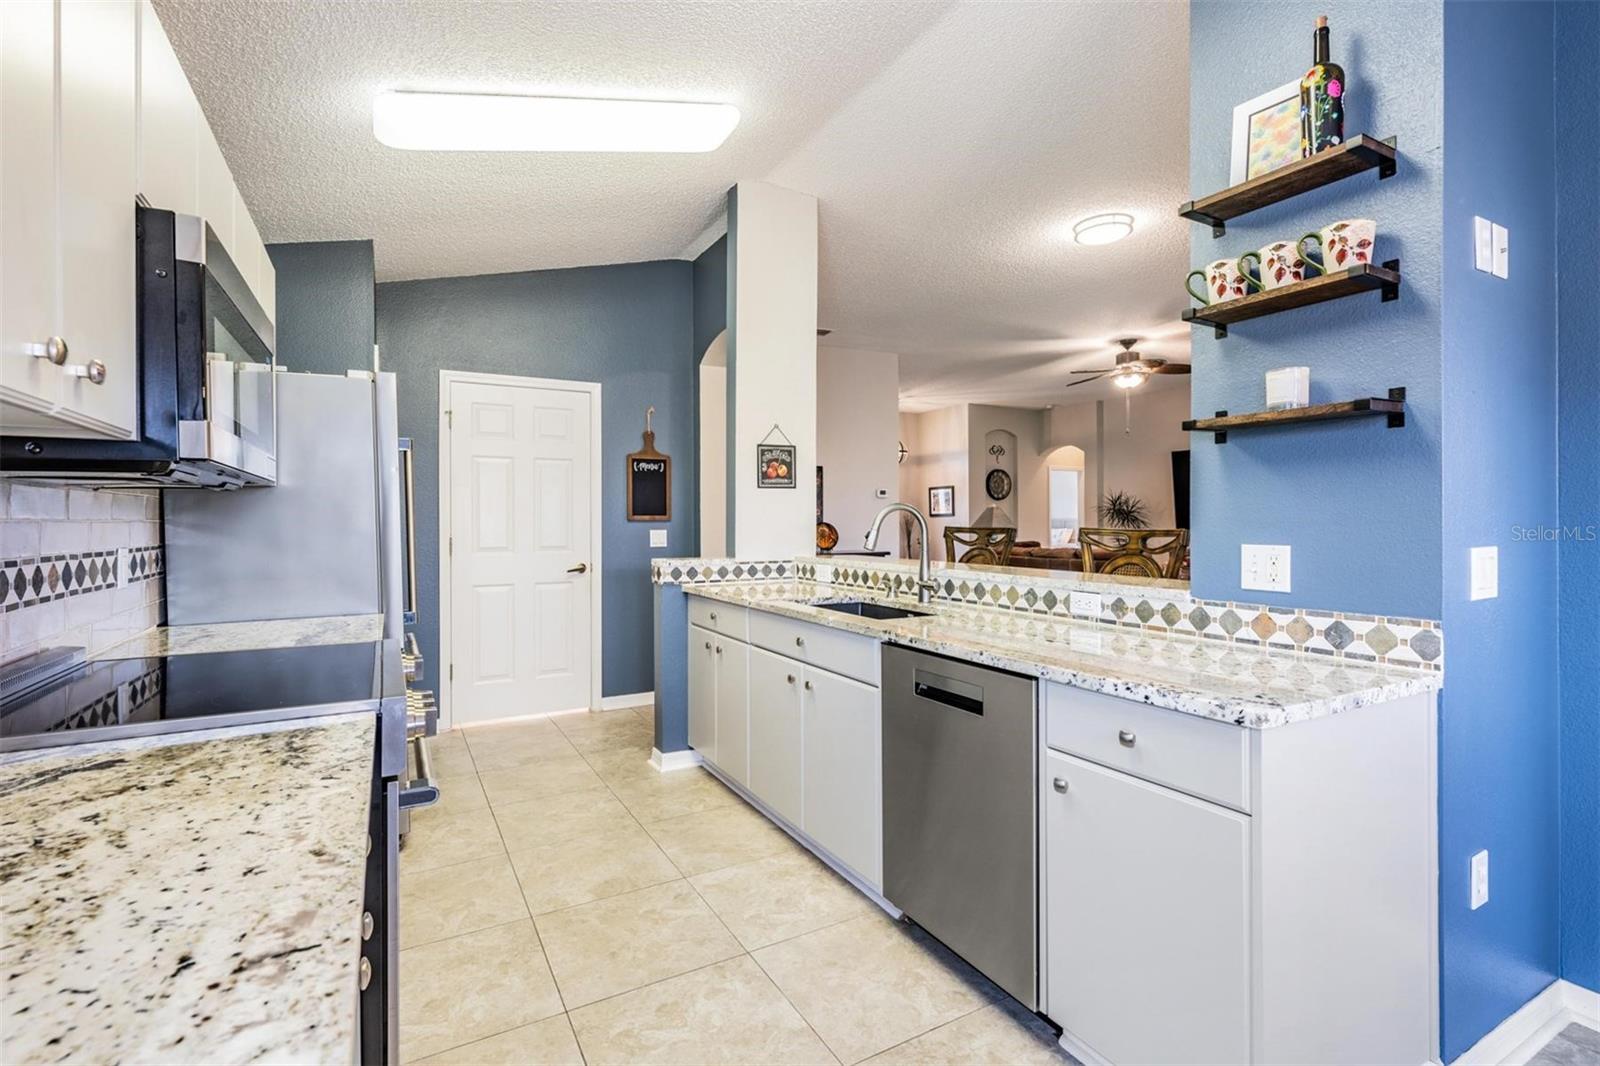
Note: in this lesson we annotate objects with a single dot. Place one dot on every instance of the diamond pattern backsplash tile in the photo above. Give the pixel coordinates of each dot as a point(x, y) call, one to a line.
point(39, 579)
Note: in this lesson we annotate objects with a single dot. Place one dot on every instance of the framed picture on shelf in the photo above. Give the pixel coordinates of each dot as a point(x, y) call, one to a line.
point(1266, 133)
point(942, 501)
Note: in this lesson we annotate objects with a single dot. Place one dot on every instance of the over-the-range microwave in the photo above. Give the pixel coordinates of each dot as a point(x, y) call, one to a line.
point(208, 411)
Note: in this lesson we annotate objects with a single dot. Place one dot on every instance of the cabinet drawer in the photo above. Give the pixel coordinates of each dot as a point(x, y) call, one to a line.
point(844, 653)
point(719, 617)
point(1194, 755)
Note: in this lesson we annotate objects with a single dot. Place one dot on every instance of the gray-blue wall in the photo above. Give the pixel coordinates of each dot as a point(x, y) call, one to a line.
point(325, 296)
point(628, 327)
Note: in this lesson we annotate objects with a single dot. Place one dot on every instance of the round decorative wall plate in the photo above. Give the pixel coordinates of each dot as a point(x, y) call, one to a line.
point(827, 537)
point(998, 484)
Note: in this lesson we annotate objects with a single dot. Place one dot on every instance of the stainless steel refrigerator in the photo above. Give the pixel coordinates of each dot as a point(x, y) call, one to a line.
point(325, 540)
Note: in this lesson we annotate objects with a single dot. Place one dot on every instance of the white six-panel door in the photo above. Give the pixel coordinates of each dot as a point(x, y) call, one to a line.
point(521, 482)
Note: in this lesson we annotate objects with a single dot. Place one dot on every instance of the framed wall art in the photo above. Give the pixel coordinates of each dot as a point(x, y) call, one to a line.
point(942, 501)
point(1266, 133)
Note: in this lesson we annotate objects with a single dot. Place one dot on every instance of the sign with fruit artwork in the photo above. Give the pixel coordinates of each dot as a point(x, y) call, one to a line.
point(775, 466)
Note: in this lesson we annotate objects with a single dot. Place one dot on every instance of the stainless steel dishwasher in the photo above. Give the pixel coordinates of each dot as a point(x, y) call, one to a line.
point(959, 810)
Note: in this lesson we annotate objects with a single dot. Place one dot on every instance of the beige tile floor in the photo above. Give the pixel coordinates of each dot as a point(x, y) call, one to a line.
point(566, 903)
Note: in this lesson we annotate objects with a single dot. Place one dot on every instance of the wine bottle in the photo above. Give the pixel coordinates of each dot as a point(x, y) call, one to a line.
point(1321, 98)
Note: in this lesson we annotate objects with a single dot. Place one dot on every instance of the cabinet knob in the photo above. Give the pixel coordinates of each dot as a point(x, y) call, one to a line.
point(799, 642)
point(708, 645)
point(1059, 784)
point(367, 925)
point(791, 679)
point(808, 686)
point(94, 370)
point(719, 649)
point(55, 350)
point(366, 973)
point(713, 616)
point(1125, 738)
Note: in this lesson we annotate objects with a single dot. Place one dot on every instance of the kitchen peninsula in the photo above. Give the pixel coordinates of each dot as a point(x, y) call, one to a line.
point(1233, 804)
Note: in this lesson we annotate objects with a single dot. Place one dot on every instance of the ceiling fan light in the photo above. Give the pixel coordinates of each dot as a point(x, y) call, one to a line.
point(1128, 379)
point(1102, 229)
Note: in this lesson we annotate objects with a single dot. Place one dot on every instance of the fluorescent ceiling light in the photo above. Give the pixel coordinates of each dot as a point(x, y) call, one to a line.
point(1102, 229)
point(463, 122)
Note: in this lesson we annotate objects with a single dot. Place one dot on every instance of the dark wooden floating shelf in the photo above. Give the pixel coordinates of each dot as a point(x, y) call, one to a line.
point(1326, 167)
point(1349, 282)
point(1394, 407)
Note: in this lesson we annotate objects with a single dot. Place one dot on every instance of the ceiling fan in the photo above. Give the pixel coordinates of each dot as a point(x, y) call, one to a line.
point(1132, 368)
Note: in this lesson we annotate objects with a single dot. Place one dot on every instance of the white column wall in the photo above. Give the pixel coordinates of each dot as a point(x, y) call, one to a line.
point(772, 364)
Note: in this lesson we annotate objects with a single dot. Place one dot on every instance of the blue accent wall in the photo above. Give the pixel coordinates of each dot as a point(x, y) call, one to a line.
point(325, 318)
point(1499, 748)
point(1577, 43)
point(1359, 503)
point(628, 327)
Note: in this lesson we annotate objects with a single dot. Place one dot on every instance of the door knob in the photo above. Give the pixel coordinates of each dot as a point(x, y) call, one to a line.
point(581, 568)
point(1126, 739)
point(1059, 784)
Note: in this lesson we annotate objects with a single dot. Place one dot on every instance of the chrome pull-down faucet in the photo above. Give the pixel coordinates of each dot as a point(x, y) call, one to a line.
point(925, 586)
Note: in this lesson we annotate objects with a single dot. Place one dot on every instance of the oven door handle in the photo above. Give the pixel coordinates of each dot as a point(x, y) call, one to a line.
point(420, 791)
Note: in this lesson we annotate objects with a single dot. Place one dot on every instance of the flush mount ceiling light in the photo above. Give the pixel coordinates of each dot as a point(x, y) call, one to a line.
point(1102, 229)
point(465, 122)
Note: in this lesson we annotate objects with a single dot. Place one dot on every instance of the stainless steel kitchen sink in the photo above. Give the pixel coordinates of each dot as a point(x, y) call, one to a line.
point(871, 610)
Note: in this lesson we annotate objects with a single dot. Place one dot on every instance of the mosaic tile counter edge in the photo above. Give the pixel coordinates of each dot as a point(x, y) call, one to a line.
point(1384, 641)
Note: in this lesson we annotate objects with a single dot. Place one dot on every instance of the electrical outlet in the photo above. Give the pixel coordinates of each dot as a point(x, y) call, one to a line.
point(1480, 879)
point(1485, 573)
point(1502, 251)
point(1084, 604)
point(658, 538)
point(1264, 567)
point(124, 562)
point(1483, 244)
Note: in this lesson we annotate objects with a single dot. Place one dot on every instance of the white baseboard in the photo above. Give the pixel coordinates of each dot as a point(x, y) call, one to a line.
point(1081, 1051)
point(627, 699)
point(1521, 1036)
point(668, 761)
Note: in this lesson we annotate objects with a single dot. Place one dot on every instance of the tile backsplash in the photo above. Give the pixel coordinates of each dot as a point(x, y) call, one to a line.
point(80, 567)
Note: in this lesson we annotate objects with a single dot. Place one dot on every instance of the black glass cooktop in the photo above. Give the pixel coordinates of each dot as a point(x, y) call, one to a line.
point(113, 698)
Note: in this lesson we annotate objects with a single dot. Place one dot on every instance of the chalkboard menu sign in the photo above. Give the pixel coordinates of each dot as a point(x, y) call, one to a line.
point(649, 483)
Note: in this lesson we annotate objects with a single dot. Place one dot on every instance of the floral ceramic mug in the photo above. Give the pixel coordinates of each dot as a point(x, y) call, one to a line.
point(1222, 280)
point(1344, 244)
point(1277, 265)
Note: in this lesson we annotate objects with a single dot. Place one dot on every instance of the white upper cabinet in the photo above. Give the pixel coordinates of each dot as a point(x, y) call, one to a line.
point(30, 387)
point(169, 123)
point(95, 110)
point(69, 338)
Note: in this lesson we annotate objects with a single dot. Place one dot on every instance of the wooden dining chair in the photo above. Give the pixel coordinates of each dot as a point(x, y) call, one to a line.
point(986, 545)
point(1134, 552)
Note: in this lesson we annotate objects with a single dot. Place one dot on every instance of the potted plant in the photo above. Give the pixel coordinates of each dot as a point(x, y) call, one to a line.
point(1121, 510)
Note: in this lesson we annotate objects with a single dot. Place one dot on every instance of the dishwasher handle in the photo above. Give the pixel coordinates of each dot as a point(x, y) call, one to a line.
point(948, 691)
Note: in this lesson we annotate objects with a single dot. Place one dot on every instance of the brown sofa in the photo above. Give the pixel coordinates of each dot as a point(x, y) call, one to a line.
point(1034, 554)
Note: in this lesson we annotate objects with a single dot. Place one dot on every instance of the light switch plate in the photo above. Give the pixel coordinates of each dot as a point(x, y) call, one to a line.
point(1480, 879)
point(1502, 251)
point(1485, 573)
point(1482, 244)
point(1084, 604)
point(658, 538)
point(1264, 567)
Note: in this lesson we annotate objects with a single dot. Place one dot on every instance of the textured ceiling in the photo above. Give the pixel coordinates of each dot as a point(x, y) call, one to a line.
point(950, 145)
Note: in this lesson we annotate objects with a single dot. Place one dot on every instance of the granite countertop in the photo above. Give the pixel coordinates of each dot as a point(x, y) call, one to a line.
point(1258, 688)
point(248, 636)
point(194, 897)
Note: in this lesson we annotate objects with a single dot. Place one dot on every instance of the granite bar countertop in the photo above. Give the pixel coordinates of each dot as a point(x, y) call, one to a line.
point(248, 636)
point(1255, 687)
point(194, 897)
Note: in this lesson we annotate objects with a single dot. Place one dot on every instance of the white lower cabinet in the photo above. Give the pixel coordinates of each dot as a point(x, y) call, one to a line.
point(703, 692)
point(776, 734)
point(1147, 918)
point(732, 664)
point(842, 770)
point(806, 741)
